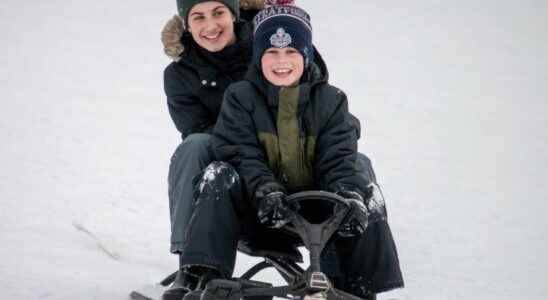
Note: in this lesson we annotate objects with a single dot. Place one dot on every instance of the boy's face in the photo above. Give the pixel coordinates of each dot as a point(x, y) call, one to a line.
point(282, 66)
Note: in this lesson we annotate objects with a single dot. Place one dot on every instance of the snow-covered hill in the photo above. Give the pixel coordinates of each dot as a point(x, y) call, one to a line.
point(453, 98)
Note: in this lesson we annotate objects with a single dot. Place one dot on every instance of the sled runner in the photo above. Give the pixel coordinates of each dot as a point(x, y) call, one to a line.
point(314, 229)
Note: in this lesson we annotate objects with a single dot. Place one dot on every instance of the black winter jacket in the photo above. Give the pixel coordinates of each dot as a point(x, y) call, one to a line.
point(196, 83)
point(246, 134)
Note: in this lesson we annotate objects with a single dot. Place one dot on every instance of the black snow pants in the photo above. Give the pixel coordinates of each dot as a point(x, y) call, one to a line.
point(359, 265)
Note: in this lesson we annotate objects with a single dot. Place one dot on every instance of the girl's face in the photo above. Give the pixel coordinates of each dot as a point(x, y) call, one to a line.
point(282, 66)
point(211, 24)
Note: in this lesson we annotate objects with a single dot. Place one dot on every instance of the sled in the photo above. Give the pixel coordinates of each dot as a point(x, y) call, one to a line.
point(314, 233)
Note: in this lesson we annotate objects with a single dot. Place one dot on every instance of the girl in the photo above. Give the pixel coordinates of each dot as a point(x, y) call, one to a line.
point(210, 42)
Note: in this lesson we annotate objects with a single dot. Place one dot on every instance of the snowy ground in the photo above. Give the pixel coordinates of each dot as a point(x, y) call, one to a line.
point(453, 96)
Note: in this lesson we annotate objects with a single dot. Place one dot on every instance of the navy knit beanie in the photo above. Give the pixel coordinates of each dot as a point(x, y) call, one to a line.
point(281, 27)
point(184, 6)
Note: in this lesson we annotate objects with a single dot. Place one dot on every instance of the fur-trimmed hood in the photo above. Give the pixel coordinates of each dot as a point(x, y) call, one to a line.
point(174, 28)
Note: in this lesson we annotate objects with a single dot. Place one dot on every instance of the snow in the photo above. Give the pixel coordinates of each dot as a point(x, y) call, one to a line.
point(452, 95)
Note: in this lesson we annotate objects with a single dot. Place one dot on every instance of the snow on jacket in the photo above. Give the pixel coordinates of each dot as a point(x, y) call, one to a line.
point(255, 135)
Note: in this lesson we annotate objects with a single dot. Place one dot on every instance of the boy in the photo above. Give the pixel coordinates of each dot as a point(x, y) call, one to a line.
point(282, 130)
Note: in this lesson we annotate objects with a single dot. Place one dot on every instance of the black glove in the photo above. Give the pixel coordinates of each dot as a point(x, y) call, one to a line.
point(271, 209)
point(374, 200)
point(356, 222)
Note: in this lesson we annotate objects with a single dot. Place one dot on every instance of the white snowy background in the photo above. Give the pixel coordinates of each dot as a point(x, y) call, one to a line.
point(452, 96)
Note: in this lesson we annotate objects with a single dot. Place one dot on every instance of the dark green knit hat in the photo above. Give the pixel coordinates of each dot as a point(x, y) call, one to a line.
point(184, 6)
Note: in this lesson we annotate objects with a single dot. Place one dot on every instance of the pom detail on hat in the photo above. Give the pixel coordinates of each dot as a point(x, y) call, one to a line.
point(278, 2)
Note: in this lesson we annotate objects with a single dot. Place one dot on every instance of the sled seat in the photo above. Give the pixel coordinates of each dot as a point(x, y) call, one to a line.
point(278, 250)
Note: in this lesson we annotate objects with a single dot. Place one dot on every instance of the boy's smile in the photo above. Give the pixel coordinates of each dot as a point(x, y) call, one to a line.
point(282, 66)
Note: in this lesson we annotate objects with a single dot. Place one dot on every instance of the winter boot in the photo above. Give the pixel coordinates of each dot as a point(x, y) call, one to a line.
point(202, 275)
point(371, 296)
point(183, 284)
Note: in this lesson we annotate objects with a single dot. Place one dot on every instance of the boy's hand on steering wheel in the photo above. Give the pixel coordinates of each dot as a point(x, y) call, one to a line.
point(356, 222)
point(272, 210)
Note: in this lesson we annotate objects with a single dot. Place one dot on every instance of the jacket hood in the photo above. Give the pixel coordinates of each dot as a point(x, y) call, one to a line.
point(243, 30)
point(233, 58)
point(315, 74)
point(174, 29)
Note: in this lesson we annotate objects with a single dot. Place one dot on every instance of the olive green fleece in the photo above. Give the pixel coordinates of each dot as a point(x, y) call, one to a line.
point(269, 141)
point(292, 163)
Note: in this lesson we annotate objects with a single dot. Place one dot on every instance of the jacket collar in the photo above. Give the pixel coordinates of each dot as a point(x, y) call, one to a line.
point(209, 65)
